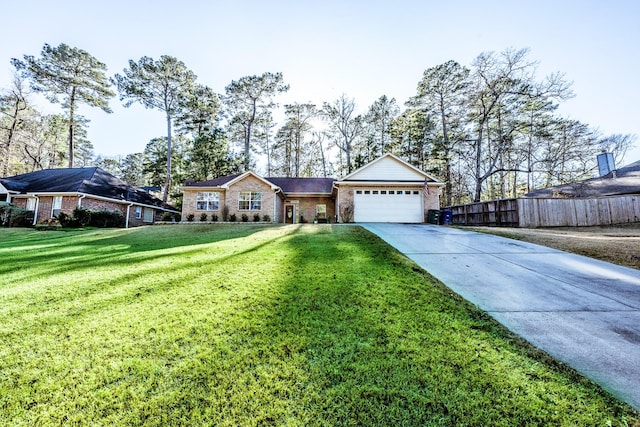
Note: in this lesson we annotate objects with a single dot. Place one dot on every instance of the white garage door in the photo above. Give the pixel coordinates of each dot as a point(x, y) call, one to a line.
point(388, 206)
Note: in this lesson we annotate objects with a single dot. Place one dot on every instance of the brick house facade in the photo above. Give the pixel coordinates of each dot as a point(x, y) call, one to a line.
point(50, 192)
point(385, 190)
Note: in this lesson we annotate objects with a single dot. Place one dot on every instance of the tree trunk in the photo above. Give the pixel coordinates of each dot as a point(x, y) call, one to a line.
point(72, 101)
point(10, 135)
point(478, 190)
point(167, 182)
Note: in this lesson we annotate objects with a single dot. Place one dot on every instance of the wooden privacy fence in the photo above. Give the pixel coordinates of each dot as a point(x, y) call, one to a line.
point(549, 212)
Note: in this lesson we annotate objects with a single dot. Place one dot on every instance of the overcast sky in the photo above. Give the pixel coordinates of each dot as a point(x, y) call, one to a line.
point(364, 49)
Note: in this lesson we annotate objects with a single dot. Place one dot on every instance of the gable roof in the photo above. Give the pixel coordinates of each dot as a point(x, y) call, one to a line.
point(284, 184)
point(226, 181)
point(625, 180)
point(215, 182)
point(389, 167)
point(92, 181)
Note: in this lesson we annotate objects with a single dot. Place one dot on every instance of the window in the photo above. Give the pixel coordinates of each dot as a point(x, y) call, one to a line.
point(56, 207)
point(249, 201)
point(321, 212)
point(383, 191)
point(138, 212)
point(207, 201)
point(399, 192)
point(391, 191)
point(31, 204)
point(374, 192)
point(148, 215)
point(358, 191)
point(416, 192)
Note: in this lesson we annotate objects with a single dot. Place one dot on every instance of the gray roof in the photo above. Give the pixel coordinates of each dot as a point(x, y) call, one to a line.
point(304, 185)
point(287, 185)
point(215, 182)
point(93, 181)
point(625, 180)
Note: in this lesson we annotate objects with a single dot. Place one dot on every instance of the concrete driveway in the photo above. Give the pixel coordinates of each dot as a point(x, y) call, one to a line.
point(583, 312)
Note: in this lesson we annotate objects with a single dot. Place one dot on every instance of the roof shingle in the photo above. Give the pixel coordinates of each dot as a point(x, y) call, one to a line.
point(94, 181)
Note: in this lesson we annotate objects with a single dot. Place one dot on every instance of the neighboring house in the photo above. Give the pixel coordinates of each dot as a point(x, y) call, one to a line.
point(625, 180)
point(385, 190)
point(51, 191)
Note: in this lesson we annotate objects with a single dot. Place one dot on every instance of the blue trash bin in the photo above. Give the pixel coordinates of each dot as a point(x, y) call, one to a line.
point(446, 217)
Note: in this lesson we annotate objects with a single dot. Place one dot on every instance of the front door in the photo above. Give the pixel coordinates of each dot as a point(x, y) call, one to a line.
point(289, 214)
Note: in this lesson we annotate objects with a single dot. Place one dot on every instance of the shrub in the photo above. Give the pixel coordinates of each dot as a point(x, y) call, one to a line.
point(203, 217)
point(83, 216)
point(68, 221)
point(256, 217)
point(13, 216)
point(266, 218)
point(48, 224)
point(167, 216)
point(232, 218)
point(106, 219)
point(177, 217)
point(245, 218)
point(190, 217)
point(225, 213)
point(214, 217)
point(91, 218)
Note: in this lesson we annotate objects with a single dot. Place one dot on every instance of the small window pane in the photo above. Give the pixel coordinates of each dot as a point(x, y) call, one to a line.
point(367, 192)
point(374, 192)
point(391, 192)
point(383, 191)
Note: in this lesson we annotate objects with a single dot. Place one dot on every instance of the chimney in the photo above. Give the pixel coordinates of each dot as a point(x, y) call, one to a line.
point(606, 164)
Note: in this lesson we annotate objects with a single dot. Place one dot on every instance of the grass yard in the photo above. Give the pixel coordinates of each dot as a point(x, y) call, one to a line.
point(235, 325)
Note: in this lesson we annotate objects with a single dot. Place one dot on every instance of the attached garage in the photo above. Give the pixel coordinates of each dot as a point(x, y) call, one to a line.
point(388, 205)
point(387, 190)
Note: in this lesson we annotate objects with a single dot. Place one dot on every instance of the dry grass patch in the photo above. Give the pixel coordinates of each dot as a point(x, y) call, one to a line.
point(616, 244)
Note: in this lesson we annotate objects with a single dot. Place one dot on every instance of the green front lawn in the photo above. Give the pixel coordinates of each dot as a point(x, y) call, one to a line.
point(236, 325)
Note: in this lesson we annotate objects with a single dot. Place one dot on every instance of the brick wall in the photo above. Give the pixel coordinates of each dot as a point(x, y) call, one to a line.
point(251, 183)
point(189, 203)
point(307, 207)
point(345, 200)
point(432, 200)
point(103, 205)
point(270, 201)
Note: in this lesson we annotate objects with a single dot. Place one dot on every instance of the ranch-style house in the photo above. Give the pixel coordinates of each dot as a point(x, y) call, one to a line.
point(387, 189)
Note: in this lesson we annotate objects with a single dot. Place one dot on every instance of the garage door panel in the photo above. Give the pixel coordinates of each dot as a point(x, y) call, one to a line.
point(388, 206)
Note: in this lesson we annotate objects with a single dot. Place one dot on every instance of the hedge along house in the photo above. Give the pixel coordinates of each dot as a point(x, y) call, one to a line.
point(385, 190)
point(278, 200)
point(51, 191)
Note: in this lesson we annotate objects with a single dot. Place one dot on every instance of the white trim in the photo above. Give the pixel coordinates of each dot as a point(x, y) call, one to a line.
point(388, 183)
point(53, 204)
point(35, 212)
point(397, 159)
point(271, 185)
point(126, 222)
point(3, 189)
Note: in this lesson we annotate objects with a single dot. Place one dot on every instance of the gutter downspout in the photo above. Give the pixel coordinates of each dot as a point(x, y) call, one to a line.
point(275, 207)
point(337, 207)
point(82, 196)
point(35, 213)
point(126, 222)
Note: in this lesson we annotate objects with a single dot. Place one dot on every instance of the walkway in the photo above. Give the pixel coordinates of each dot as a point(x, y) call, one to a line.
point(581, 311)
